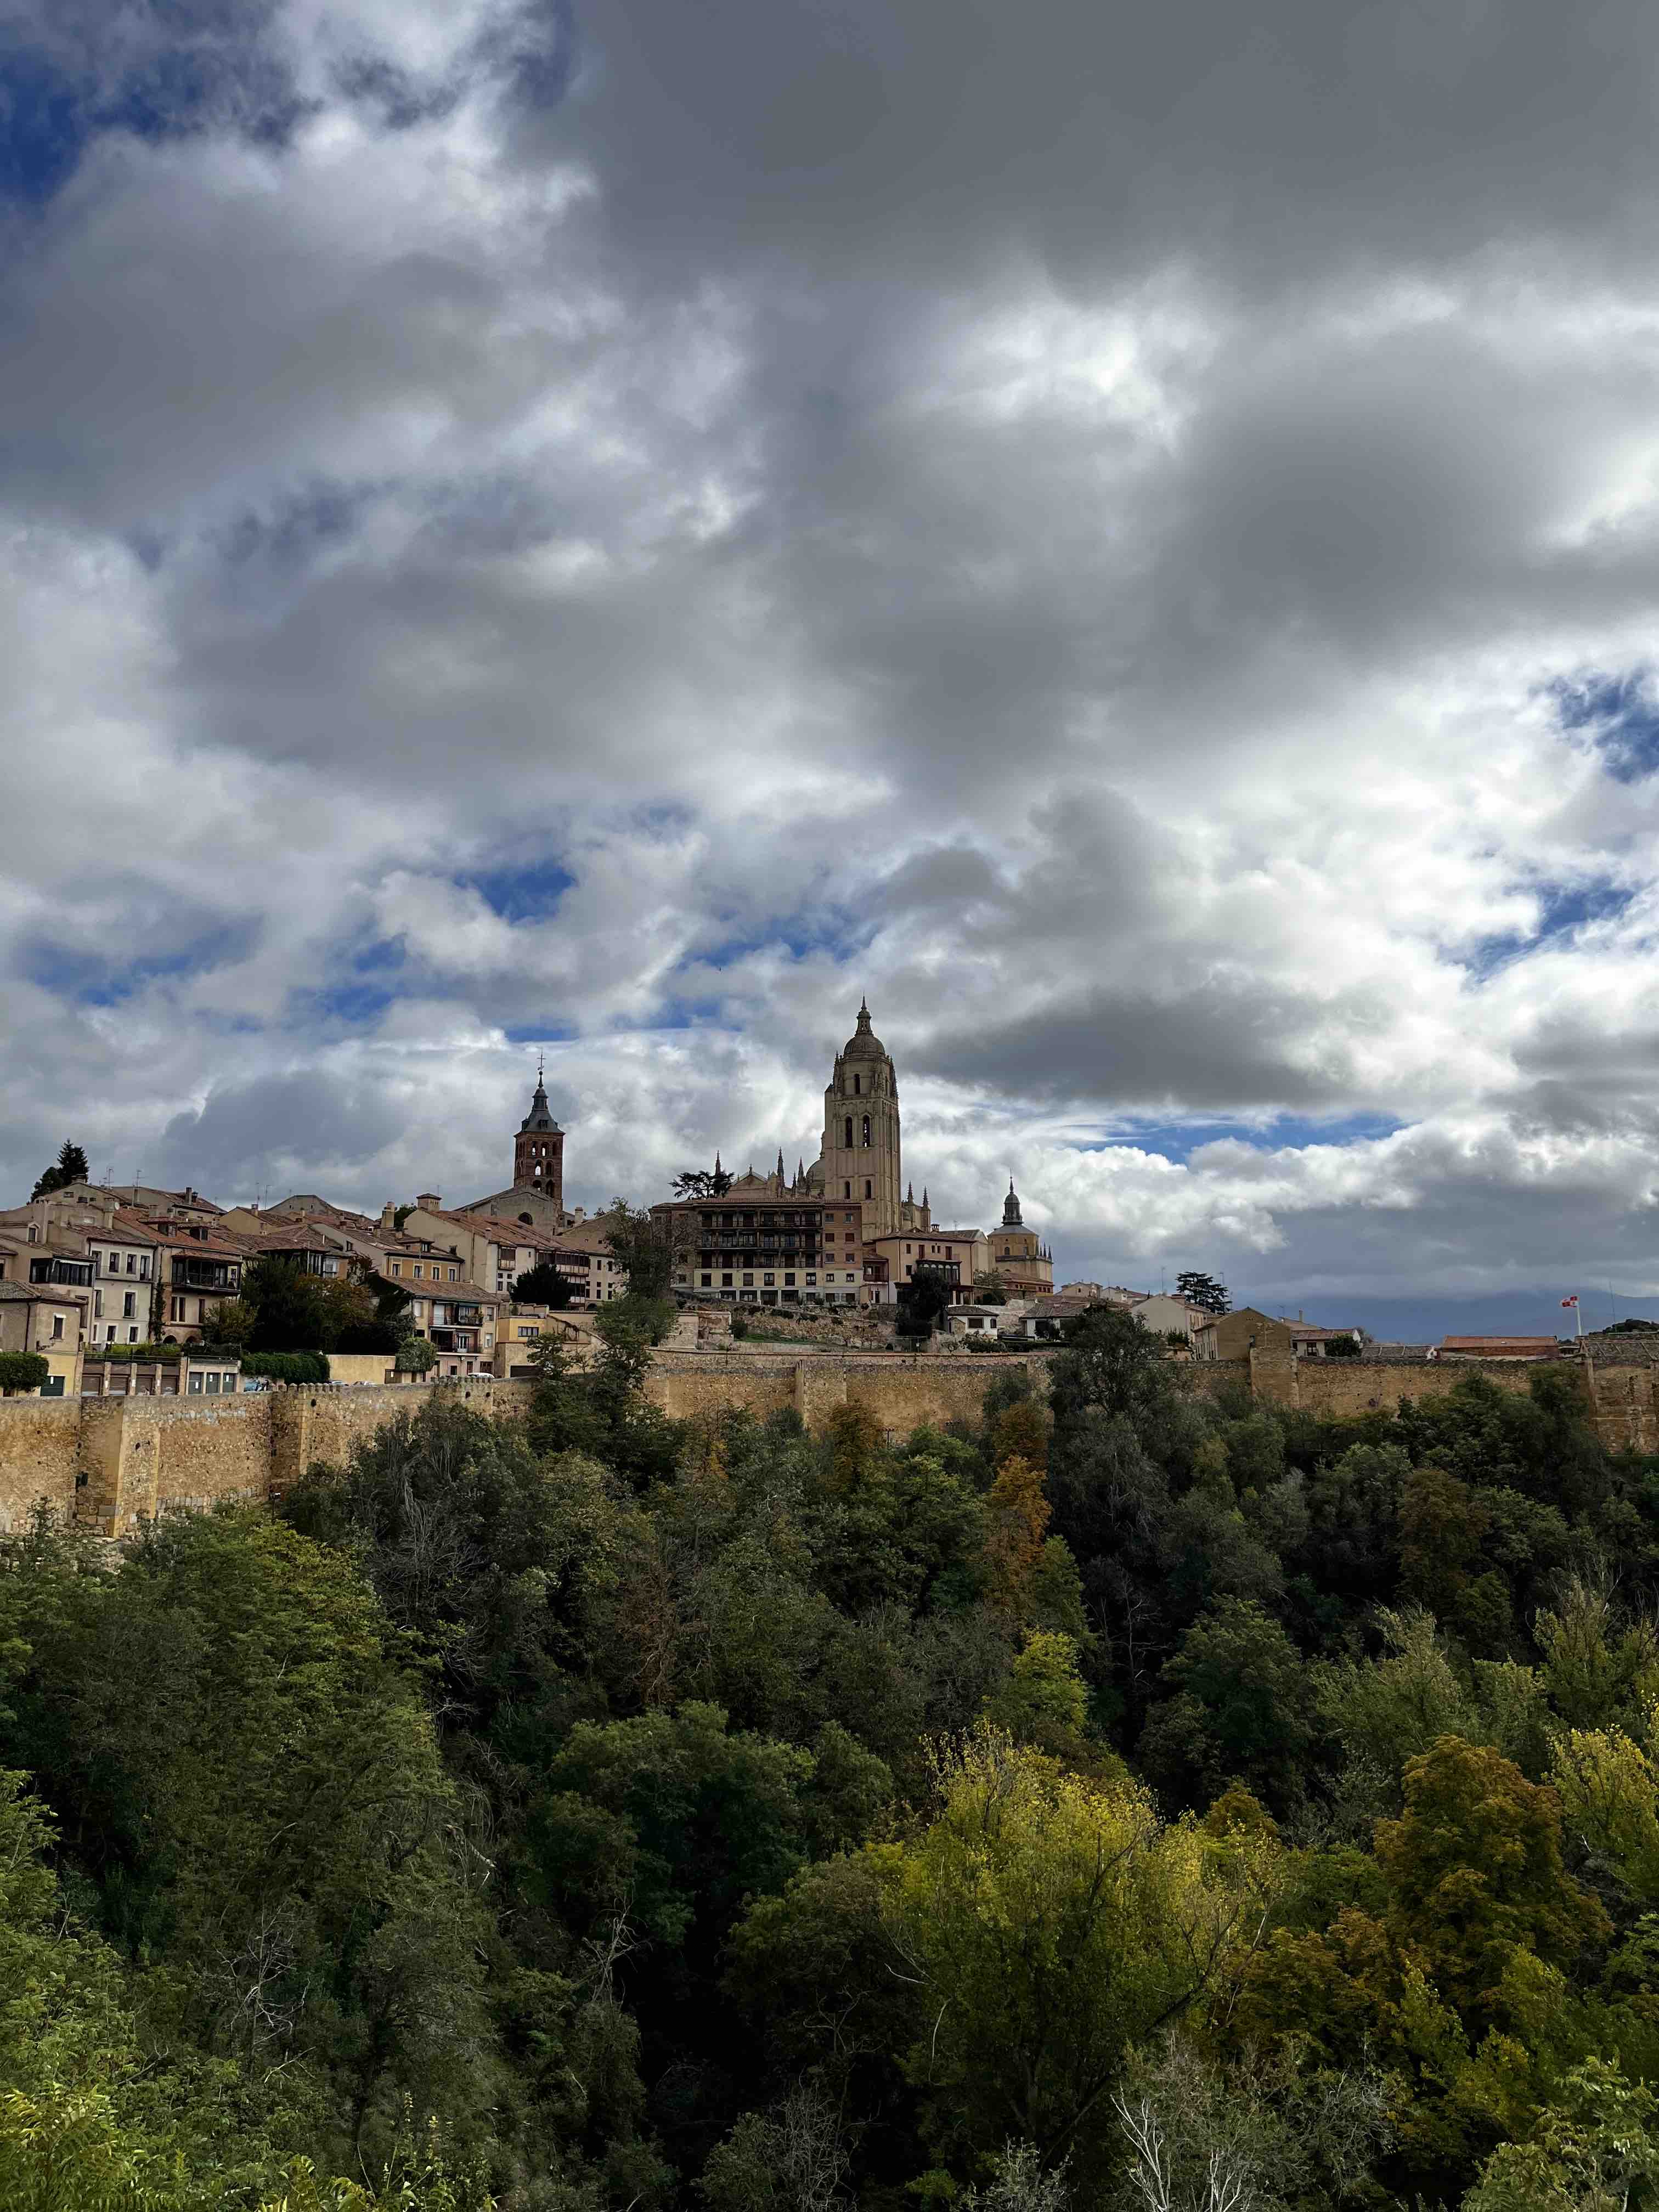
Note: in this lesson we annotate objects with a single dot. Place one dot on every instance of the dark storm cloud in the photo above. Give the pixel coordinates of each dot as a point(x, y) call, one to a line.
point(246, 1134)
point(937, 132)
point(1221, 1046)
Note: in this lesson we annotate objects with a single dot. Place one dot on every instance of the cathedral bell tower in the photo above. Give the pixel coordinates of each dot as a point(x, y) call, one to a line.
point(860, 1155)
point(539, 1149)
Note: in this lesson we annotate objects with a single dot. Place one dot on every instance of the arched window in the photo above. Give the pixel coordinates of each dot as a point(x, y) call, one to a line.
point(849, 1133)
point(858, 1084)
point(866, 1128)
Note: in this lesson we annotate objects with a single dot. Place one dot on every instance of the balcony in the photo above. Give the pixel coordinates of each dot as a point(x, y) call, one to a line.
point(75, 1272)
point(206, 1274)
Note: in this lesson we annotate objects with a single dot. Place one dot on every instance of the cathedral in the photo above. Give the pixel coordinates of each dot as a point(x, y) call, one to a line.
point(856, 1178)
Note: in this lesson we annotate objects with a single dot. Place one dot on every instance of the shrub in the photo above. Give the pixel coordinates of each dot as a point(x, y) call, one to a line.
point(24, 1370)
point(287, 1366)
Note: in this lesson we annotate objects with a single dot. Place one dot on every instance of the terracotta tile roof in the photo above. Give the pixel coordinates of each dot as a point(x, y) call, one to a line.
point(129, 1223)
point(586, 1236)
point(503, 1231)
point(209, 1244)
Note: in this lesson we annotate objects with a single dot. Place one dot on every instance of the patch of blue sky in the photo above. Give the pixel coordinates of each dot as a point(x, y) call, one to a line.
point(1179, 1140)
point(287, 536)
point(530, 893)
point(533, 52)
point(1563, 908)
point(94, 978)
point(1621, 715)
point(517, 1033)
point(676, 1013)
point(43, 127)
point(383, 957)
point(801, 937)
point(358, 1004)
point(206, 65)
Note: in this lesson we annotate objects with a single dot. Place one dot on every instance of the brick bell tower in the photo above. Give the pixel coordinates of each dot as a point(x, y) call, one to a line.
point(539, 1149)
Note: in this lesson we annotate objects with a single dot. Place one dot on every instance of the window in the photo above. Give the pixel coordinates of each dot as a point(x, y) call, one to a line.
point(789, 1282)
point(706, 1282)
point(213, 1386)
point(811, 1282)
point(132, 1336)
point(867, 1129)
point(749, 1282)
point(129, 1305)
point(849, 1133)
point(725, 1282)
point(144, 1268)
point(195, 1385)
point(769, 1283)
point(97, 1305)
point(846, 1188)
point(867, 1191)
point(418, 1271)
point(56, 1327)
point(451, 1274)
point(858, 1084)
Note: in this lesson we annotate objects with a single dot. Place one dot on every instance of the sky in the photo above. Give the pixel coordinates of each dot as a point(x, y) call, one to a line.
point(1130, 536)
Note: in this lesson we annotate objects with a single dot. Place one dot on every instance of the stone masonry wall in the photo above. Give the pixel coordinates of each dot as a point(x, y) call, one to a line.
point(901, 1396)
point(40, 1454)
point(115, 1461)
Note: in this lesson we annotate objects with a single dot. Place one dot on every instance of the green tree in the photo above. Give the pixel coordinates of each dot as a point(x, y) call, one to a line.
point(289, 1311)
point(1203, 1290)
point(702, 1182)
point(642, 1246)
point(1110, 1362)
point(1047, 1923)
point(24, 1370)
point(1239, 1712)
point(542, 1285)
point(922, 1302)
point(268, 1817)
point(70, 1167)
point(1595, 2149)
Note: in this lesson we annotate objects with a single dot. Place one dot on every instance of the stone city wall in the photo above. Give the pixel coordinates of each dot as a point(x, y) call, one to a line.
point(117, 1461)
point(901, 1395)
point(40, 1454)
point(114, 1462)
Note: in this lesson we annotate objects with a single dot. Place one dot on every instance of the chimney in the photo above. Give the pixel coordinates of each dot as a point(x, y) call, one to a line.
point(388, 1215)
point(430, 1200)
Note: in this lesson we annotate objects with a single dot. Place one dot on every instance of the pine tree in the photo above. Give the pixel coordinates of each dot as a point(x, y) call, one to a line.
point(70, 1167)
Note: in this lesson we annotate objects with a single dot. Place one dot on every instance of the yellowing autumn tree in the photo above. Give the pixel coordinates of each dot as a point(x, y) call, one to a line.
point(1018, 1513)
point(1046, 1923)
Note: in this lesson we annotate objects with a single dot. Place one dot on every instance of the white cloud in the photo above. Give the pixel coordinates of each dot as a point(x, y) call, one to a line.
point(1110, 601)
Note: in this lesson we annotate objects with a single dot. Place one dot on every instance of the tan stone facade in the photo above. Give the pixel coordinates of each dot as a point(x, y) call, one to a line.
point(1017, 1255)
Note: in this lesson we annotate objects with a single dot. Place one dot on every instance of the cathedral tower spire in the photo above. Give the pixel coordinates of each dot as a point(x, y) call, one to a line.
point(862, 1130)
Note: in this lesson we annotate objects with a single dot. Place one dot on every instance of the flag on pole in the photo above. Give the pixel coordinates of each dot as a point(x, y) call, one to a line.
point(1573, 1301)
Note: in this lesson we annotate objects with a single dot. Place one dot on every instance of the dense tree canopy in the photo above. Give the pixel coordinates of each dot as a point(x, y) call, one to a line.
point(1133, 1796)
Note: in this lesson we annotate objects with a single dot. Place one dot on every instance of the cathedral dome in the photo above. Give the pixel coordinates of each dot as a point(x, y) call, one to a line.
point(864, 1043)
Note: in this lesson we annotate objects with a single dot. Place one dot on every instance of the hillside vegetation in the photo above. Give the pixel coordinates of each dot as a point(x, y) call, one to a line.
point(1142, 1800)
